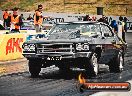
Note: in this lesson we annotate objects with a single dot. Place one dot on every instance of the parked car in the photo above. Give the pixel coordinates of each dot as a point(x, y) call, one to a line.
point(76, 44)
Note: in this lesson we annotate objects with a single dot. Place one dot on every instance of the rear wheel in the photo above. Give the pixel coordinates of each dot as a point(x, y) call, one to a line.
point(116, 65)
point(34, 68)
point(92, 66)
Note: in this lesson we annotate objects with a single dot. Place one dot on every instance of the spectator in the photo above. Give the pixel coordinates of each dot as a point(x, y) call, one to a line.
point(29, 18)
point(114, 26)
point(5, 17)
point(125, 26)
point(122, 28)
point(120, 18)
point(94, 18)
point(22, 17)
point(9, 20)
point(87, 18)
point(38, 18)
point(16, 21)
point(103, 19)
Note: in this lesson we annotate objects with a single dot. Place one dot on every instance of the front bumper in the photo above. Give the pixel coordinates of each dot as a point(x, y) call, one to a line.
point(61, 55)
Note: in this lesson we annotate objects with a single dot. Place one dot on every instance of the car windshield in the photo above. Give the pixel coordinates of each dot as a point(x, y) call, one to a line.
point(84, 29)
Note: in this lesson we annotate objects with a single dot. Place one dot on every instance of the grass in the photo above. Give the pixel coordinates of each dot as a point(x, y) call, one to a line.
point(58, 6)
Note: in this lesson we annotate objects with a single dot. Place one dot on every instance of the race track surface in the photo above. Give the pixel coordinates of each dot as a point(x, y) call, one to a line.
point(53, 83)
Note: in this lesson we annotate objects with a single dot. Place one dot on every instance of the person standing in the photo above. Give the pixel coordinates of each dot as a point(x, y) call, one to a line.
point(114, 26)
point(22, 17)
point(5, 17)
point(103, 19)
point(121, 28)
point(38, 18)
point(29, 18)
point(87, 18)
point(125, 21)
point(9, 20)
point(16, 21)
point(94, 18)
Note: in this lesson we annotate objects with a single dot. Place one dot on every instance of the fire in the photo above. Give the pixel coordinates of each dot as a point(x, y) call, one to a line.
point(81, 79)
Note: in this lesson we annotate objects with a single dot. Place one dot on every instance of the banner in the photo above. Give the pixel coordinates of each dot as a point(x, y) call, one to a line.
point(11, 46)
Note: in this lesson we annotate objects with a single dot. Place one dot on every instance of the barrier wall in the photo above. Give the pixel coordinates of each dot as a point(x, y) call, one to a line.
point(11, 46)
point(4, 31)
point(64, 17)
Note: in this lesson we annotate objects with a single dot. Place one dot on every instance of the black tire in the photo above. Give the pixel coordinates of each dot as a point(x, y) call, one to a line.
point(34, 68)
point(92, 67)
point(116, 65)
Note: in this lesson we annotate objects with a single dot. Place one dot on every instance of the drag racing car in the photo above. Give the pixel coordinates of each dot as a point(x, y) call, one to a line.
point(76, 44)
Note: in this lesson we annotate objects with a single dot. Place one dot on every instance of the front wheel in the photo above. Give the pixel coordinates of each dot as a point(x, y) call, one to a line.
point(92, 68)
point(116, 65)
point(34, 68)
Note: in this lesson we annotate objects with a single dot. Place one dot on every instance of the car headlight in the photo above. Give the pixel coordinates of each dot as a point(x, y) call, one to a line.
point(29, 47)
point(86, 47)
point(80, 46)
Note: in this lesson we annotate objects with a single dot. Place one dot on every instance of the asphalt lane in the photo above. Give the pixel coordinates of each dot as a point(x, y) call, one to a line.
point(52, 83)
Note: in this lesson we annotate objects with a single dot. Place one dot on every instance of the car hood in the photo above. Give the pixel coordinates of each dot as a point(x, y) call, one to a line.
point(66, 37)
point(90, 40)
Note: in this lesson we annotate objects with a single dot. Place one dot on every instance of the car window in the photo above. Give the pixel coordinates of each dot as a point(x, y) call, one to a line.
point(106, 30)
point(73, 29)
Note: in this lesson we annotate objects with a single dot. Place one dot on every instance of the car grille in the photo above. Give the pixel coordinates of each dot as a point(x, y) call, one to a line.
point(54, 48)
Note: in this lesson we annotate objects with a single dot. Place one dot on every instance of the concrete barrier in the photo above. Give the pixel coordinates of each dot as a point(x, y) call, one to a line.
point(11, 46)
point(21, 31)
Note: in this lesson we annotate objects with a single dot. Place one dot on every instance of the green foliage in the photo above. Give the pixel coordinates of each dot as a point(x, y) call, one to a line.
point(58, 6)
